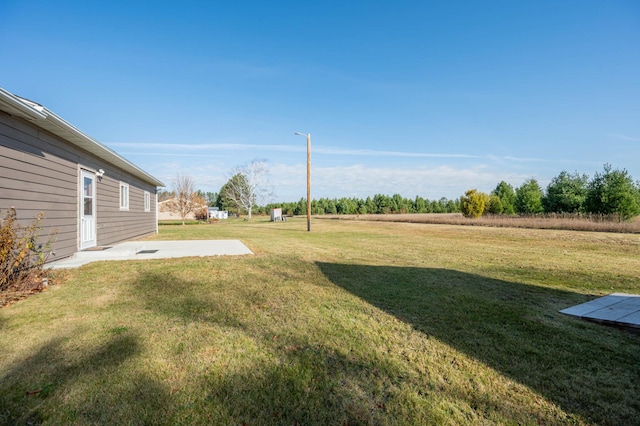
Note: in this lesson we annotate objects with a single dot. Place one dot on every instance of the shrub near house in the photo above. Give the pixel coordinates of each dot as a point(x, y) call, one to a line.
point(22, 256)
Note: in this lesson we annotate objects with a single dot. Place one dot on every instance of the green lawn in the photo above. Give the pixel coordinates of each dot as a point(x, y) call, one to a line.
point(353, 323)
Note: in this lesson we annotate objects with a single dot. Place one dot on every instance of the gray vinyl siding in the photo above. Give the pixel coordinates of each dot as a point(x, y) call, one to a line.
point(37, 178)
point(115, 225)
point(39, 172)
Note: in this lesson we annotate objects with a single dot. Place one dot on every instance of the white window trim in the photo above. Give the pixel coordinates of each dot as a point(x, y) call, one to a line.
point(124, 201)
point(147, 201)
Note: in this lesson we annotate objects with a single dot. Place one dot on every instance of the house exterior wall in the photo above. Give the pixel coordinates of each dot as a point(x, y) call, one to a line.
point(41, 172)
point(167, 215)
point(115, 225)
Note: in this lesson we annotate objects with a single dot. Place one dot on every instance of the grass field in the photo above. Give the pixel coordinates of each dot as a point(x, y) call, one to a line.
point(353, 323)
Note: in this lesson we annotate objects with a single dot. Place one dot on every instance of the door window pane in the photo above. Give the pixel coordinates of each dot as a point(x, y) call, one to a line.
point(88, 206)
point(88, 187)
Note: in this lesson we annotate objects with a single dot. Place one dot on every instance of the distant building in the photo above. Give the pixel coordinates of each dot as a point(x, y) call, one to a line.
point(276, 215)
point(216, 213)
point(166, 213)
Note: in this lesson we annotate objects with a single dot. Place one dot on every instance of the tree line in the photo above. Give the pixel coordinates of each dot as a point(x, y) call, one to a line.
point(610, 192)
point(378, 204)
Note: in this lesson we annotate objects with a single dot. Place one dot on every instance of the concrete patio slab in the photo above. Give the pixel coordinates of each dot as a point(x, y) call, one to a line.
point(617, 308)
point(594, 305)
point(634, 318)
point(138, 250)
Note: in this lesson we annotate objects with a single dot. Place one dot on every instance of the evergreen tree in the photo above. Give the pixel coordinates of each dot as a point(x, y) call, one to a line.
point(495, 205)
point(613, 192)
point(420, 205)
point(507, 197)
point(225, 201)
point(529, 198)
point(566, 193)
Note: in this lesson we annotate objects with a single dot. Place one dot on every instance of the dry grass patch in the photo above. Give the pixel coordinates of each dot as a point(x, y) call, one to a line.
point(594, 223)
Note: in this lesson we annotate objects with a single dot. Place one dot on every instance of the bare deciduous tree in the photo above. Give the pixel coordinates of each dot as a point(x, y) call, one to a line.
point(248, 186)
point(186, 200)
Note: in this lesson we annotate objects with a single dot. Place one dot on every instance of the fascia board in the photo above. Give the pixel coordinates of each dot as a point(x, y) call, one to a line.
point(14, 105)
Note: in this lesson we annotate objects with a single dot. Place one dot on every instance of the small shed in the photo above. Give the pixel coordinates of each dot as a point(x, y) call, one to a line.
point(216, 213)
point(276, 215)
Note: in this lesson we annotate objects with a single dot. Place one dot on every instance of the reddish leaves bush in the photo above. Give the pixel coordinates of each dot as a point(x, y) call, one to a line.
point(22, 254)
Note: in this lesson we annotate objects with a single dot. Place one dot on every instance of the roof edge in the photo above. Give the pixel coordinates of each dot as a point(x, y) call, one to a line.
point(47, 120)
point(108, 152)
point(19, 107)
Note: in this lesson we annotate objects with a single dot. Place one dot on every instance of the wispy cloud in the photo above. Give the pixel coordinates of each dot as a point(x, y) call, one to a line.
point(522, 159)
point(344, 171)
point(173, 154)
point(205, 147)
point(173, 148)
point(363, 181)
point(375, 153)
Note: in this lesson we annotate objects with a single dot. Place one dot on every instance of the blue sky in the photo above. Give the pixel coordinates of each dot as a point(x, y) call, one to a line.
point(424, 98)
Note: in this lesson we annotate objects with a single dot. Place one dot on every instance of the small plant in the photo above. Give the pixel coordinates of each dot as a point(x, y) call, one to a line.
point(201, 214)
point(22, 255)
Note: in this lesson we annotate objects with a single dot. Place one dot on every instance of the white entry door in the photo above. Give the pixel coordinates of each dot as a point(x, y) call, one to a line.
point(87, 209)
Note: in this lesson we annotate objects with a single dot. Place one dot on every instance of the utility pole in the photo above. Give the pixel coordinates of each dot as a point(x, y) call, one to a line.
point(308, 135)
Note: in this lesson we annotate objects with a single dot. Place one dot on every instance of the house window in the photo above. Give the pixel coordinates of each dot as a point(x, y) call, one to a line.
point(124, 196)
point(147, 201)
